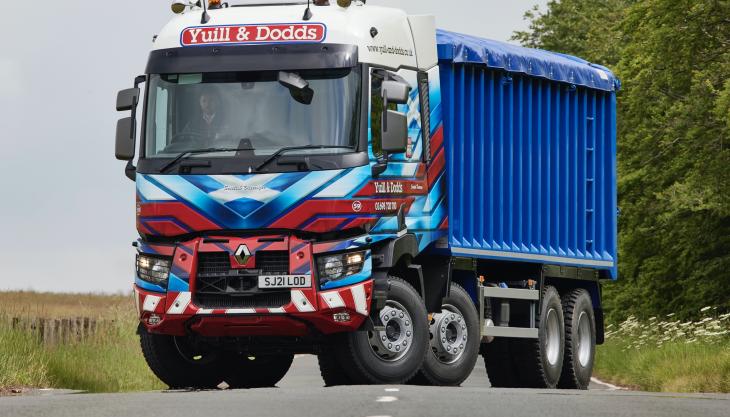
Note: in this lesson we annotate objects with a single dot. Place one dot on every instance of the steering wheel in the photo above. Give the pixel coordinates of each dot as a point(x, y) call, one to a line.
point(183, 141)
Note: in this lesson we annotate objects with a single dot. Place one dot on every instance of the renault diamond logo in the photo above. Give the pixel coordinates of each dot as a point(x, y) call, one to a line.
point(243, 254)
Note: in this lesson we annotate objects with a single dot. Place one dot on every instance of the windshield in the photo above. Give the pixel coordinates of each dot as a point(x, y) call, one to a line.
point(253, 112)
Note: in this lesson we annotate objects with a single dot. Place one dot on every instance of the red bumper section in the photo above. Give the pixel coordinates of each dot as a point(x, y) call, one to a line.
point(176, 314)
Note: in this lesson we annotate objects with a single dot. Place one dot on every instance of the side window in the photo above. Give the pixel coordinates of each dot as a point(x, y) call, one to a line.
point(376, 112)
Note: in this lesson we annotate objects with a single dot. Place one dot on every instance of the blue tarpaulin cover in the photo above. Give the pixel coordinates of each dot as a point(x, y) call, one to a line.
point(459, 48)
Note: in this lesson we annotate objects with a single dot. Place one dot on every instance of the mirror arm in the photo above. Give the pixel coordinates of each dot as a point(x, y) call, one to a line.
point(130, 171)
point(385, 111)
point(380, 167)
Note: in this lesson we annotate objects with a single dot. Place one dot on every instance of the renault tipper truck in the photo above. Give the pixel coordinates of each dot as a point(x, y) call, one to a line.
point(347, 181)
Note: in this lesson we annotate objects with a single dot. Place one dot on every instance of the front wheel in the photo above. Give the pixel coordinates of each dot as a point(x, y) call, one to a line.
point(179, 363)
point(454, 341)
point(392, 356)
point(256, 371)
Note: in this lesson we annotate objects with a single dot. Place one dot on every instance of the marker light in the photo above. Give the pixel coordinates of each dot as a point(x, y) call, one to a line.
point(214, 4)
point(344, 3)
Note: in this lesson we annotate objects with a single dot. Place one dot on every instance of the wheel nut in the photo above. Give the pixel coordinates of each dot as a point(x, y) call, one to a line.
point(392, 313)
point(448, 348)
point(453, 317)
point(408, 323)
point(464, 338)
point(390, 346)
point(463, 327)
point(405, 343)
point(408, 334)
point(456, 351)
point(383, 338)
point(443, 330)
point(402, 315)
point(443, 339)
point(397, 348)
point(386, 318)
point(461, 346)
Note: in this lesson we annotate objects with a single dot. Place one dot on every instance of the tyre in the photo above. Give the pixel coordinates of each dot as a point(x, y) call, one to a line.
point(580, 340)
point(332, 373)
point(498, 359)
point(454, 341)
point(179, 364)
point(255, 372)
point(540, 362)
point(392, 356)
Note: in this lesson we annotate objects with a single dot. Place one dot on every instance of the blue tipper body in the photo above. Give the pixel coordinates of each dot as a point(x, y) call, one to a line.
point(530, 141)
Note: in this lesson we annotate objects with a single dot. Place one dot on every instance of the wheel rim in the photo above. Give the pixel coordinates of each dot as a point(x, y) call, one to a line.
point(449, 334)
point(393, 343)
point(584, 339)
point(552, 339)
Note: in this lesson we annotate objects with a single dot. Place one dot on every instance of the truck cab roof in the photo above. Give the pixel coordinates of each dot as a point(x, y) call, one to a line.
point(384, 36)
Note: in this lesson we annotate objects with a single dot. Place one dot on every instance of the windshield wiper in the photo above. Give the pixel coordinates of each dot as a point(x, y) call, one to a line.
point(187, 154)
point(278, 153)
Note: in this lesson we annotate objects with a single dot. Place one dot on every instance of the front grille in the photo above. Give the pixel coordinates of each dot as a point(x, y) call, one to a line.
point(220, 286)
point(211, 263)
point(273, 262)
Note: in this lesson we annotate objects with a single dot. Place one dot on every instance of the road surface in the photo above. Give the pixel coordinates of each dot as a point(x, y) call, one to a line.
point(301, 394)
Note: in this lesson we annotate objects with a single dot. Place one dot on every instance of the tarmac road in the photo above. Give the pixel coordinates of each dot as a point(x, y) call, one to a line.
point(301, 394)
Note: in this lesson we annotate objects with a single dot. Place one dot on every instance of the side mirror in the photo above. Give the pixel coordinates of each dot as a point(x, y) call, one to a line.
point(125, 139)
point(396, 92)
point(127, 99)
point(395, 132)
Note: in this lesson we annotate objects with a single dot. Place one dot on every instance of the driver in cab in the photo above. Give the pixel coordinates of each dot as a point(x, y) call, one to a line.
point(210, 123)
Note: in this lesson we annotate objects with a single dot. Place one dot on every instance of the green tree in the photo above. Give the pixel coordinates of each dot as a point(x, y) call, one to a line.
point(673, 58)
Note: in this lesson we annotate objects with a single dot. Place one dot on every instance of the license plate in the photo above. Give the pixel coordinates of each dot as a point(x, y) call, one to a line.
point(285, 281)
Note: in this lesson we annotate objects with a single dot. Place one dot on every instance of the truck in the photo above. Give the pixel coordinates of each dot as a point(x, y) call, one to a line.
point(347, 181)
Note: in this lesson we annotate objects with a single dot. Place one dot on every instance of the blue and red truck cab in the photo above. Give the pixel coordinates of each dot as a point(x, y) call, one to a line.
point(347, 181)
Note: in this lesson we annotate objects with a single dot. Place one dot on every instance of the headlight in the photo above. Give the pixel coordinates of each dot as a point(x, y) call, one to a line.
point(152, 269)
point(334, 267)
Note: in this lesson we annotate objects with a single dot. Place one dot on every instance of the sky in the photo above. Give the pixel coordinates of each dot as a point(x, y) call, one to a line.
point(67, 210)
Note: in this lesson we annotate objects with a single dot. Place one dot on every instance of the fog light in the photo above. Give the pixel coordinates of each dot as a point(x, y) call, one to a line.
point(341, 317)
point(154, 319)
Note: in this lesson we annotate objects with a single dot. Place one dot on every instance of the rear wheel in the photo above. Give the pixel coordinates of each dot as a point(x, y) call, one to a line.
point(179, 363)
point(501, 370)
point(256, 371)
point(580, 340)
point(392, 356)
point(454, 341)
point(530, 363)
point(541, 361)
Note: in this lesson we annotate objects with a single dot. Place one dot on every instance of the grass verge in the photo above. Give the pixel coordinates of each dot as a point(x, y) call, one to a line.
point(667, 356)
point(109, 361)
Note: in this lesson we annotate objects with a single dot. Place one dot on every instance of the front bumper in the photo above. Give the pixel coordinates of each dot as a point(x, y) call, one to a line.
point(311, 311)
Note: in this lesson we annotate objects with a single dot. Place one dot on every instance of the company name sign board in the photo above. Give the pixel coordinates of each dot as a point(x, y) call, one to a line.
point(253, 34)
